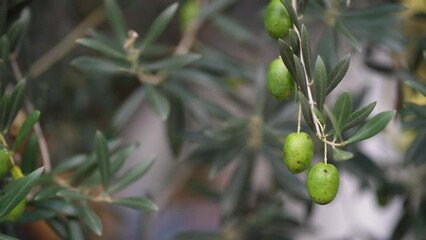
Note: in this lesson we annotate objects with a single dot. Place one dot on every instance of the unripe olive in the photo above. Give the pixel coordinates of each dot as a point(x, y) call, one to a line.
point(298, 151)
point(277, 20)
point(323, 183)
point(4, 160)
point(280, 82)
point(188, 11)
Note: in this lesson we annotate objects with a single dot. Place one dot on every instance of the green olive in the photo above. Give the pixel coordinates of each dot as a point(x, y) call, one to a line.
point(188, 11)
point(298, 152)
point(280, 82)
point(323, 183)
point(277, 20)
point(4, 160)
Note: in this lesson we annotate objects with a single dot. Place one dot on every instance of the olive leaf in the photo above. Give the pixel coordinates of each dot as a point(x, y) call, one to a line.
point(340, 155)
point(307, 115)
point(293, 16)
point(342, 110)
point(294, 41)
point(26, 128)
point(116, 19)
point(320, 82)
point(158, 102)
point(359, 115)
point(102, 157)
point(338, 72)
point(287, 57)
point(91, 219)
point(138, 203)
point(372, 127)
point(300, 77)
point(306, 50)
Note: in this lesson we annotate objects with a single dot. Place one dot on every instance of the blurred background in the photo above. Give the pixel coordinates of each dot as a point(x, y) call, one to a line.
point(248, 195)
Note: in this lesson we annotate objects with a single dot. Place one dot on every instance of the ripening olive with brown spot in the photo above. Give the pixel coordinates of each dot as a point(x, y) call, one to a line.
point(298, 152)
point(323, 183)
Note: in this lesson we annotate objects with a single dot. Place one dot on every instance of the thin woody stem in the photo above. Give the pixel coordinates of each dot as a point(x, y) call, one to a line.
point(299, 118)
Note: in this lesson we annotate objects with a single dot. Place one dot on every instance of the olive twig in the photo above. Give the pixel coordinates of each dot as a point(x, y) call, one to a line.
point(299, 118)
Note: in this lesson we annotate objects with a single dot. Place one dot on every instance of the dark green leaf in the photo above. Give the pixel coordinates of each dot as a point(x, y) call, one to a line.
point(101, 47)
point(47, 192)
point(300, 77)
point(287, 57)
point(158, 102)
point(172, 63)
point(307, 115)
point(98, 66)
point(320, 82)
point(348, 35)
point(340, 155)
point(293, 16)
point(75, 229)
point(17, 32)
point(306, 50)
point(116, 19)
point(5, 105)
point(176, 125)
point(102, 157)
point(359, 116)
point(91, 219)
point(128, 108)
point(338, 72)
point(138, 203)
point(71, 194)
point(294, 41)
point(222, 159)
point(134, 174)
point(26, 128)
point(17, 99)
point(158, 26)
point(327, 47)
point(30, 157)
point(16, 191)
point(342, 111)
point(372, 127)
point(69, 164)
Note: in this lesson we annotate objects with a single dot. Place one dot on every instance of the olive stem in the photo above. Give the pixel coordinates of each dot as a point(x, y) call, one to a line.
point(325, 153)
point(299, 118)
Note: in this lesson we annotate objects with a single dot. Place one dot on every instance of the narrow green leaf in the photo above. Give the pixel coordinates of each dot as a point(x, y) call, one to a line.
point(75, 229)
point(293, 16)
point(359, 116)
point(294, 41)
point(47, 192)
point(98, 66)
point(17, 32)
point(70, 163)
point(16, 191)
point(71, 194)
point(300, 77)
point(172, 63)
point(158, 102)
point(134, 174)
point(372, 127)
point(328, 46)
point(91, 219)
point(101, 47)
point(338, 72)
point(307, 115)
point(348, 35)
point(287, 57)
point(138, 203)
point(116, 19)
point(342, 110)
point(128, 108)
point(306, 50)
point(176, 125)
point(26, 128)
point(333, 120)
point(158, 26)
point(119, 158)
point(102, 157)
point(16, 101)
point(320, 82)
point(340, 155)
point(30, 157)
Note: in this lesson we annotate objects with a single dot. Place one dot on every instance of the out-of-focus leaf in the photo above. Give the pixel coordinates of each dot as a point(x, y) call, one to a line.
point(306, 50)
point(293, 16)
point(16, 101)
point(176, 125)
point(98, 66)
point(234, 30)
point(300, 77)
point(75, 229)
point(69, 164)
point(172, 63)
point(375, 12)
point(102, 157)
point(416, 153)
point(338, 72)
point(35, 215)
point(91, 219)
point(222, 160)
point(158, 102)
point(17, 32)
point(372, 127)
point(417, 86)
point(71, 194)
point(4, 48)
point(128, 108)
point(101, 47)
point(58, 226)
point(134, 174)
point(327, 47)
point(419, 110)
point(47, 192)
point(197, 235)
point(138, 203)
point(16, 190)
point(342, 110)
point(320, 82)
point(348, 35)
point(26, 128)
point(116, 19)
point(359, 115)
point(29, 159)
point(340, 155)
point(158, 26)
